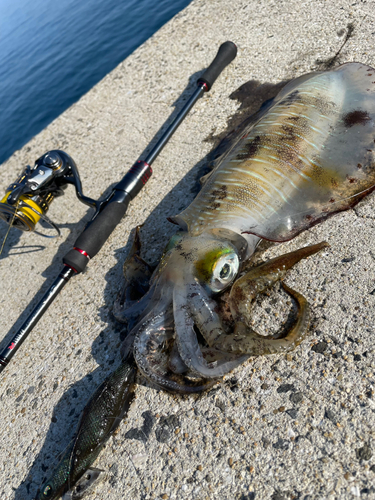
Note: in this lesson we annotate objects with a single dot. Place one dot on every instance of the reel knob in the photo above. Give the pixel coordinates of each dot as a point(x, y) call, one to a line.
point(52, 160)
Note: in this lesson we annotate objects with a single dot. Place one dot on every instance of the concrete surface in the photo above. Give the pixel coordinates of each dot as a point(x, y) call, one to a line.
point(281, 427)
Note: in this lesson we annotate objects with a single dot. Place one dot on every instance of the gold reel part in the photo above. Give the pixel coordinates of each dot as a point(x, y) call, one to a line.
point(24, 216)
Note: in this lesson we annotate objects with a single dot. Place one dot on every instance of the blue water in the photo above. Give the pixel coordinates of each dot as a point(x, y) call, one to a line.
point(53, 51)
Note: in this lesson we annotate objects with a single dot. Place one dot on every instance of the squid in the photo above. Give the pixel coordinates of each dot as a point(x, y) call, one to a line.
point(307, 155)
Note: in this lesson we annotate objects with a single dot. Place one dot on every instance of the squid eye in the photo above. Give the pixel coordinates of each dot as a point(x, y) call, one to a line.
point(224, 271)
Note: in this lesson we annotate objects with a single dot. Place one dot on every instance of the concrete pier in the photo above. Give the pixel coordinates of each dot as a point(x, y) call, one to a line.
point(296, 426)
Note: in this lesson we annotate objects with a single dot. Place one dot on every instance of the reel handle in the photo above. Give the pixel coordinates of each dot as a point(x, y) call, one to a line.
point(226, 53)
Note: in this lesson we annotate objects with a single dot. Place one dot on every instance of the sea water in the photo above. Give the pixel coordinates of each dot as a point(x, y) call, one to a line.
point(53, 51)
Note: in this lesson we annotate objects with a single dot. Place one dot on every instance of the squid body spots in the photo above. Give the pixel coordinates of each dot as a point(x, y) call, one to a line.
point(356, 117)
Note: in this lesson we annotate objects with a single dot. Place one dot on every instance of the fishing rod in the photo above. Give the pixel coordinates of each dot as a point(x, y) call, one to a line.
point(27, 200)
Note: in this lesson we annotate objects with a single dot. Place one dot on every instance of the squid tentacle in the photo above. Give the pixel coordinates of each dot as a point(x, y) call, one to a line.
point(137, 275)
point(149, 345)
point(262, 277)
point(154, 303)
point(129, 315)
point(246, 340)
point(186, 338)
point(176, 363)
point(257, 280)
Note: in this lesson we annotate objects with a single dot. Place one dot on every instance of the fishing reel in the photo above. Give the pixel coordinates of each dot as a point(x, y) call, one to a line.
point(28, 199)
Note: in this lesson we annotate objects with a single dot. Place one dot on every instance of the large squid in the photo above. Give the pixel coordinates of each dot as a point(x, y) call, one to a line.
point(307, 155)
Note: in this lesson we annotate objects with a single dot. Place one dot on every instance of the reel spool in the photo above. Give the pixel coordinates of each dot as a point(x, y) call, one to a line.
point(28, 199)
point(27, 212)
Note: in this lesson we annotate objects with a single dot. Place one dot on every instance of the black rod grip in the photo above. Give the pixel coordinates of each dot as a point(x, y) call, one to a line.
point(95, 235)
point(227, 52)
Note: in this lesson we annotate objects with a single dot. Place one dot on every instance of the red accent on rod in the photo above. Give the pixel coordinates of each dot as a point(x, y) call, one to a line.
point(82, 252)
point(72, 268)
point(146, 174)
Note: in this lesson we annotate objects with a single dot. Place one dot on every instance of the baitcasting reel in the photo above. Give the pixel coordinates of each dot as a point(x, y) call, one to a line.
point(27, 199)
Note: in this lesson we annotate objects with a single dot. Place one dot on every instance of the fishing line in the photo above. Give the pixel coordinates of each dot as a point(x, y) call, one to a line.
point(10, 225)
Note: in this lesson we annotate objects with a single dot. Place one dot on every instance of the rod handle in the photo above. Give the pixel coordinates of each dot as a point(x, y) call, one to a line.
point(95, 235)
point(99, 229)
point(226, 53)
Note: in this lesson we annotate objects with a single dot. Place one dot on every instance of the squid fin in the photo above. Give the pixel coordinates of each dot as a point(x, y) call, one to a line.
point(205, 178)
